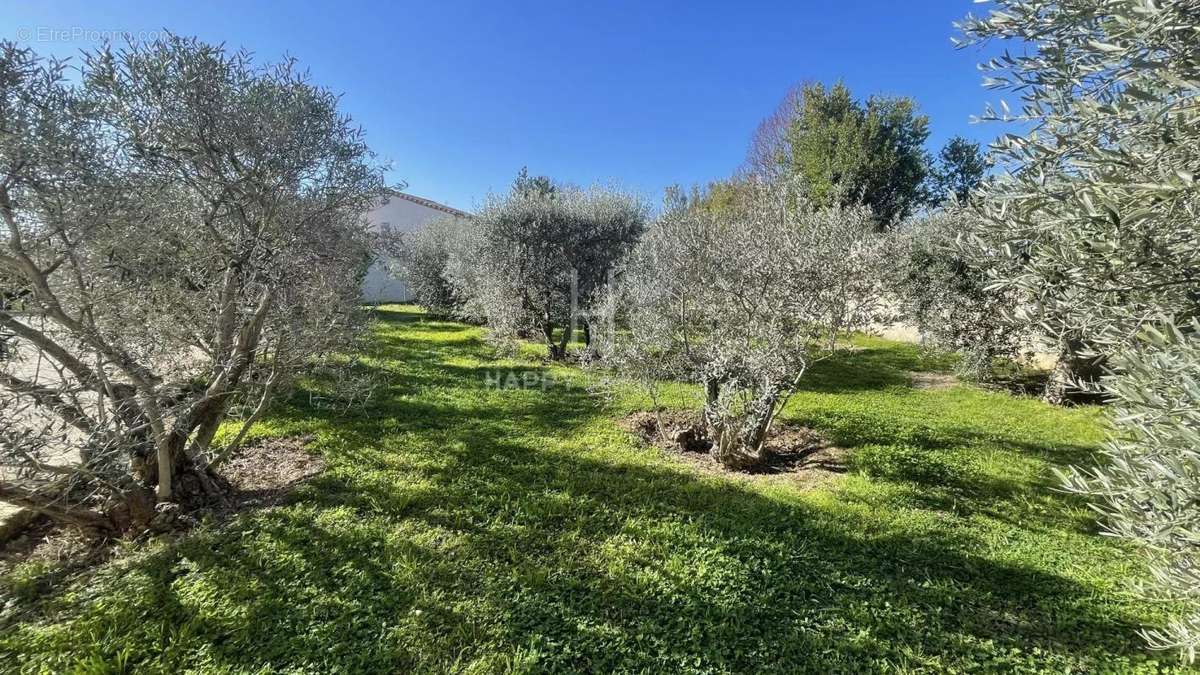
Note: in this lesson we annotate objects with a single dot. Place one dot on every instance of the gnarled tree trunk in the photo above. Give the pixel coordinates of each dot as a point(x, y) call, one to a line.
point(1076, 376)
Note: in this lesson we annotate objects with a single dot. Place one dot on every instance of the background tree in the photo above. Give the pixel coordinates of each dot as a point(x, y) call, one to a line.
point(534, 257)
point(533, 186)
point(189, 228)
point(1097, 211)
point(741, 300)
point(847, 152)
point(769, 156)
point(424, 261)
point(958, 170)
point(717, 196)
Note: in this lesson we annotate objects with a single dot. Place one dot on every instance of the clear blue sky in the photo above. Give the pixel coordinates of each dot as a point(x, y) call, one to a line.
point(458, 96)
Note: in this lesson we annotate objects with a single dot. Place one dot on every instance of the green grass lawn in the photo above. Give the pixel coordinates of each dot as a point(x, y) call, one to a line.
point(461, 527)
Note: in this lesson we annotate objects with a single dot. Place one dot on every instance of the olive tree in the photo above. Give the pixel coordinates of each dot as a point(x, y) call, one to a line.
point(741, 300)
point(186, 229)
point(530, 258)
point(1097, 207)
point(950, 296)
point(424, 261)
point(1150, 478)
point(1098, 199)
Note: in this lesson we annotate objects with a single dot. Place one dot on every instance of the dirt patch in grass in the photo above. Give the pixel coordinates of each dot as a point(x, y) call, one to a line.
point(796, 452)
point(44, 541)
point(932, 381)
point(263, 473)
point(259, 475)
point(679, 431)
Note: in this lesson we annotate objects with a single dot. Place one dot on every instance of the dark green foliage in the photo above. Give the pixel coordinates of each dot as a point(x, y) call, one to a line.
point(849, 152)
point(958, 170)
point(532, 186)
point(465, 528)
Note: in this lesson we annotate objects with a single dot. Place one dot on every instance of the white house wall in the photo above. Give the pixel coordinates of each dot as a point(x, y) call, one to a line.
point(401, 215)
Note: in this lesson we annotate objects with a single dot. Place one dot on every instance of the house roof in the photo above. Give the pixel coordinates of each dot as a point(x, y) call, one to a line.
point(429, 203)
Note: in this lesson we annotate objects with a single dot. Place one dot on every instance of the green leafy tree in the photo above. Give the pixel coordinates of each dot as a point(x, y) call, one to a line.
point(847, 151)
point(524, 184)
point(1097, 209)
point(958, 170)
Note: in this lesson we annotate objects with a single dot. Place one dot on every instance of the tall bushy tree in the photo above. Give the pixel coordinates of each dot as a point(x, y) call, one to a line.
point(186, 230)
point(957, 171)
point(741, 300)
point(536, 255)
point(846, 151)
point(1098, 210)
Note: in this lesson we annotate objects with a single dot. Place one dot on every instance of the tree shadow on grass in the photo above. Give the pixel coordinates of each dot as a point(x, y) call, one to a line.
point(864, 368)
point(482, 529)
point(942, 462)
point(860, 369)
point(596, 566)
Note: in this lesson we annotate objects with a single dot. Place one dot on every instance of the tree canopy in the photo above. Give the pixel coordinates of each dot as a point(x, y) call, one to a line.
point(187, 229)
point(847, 151)
point(741, 300)
point(530, 261)
point(957, 171)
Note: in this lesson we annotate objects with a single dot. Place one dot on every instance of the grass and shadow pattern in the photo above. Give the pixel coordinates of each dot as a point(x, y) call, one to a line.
point(467, 528)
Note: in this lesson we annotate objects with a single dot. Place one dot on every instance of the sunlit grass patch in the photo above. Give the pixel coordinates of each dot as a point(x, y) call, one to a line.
point(466, 526)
